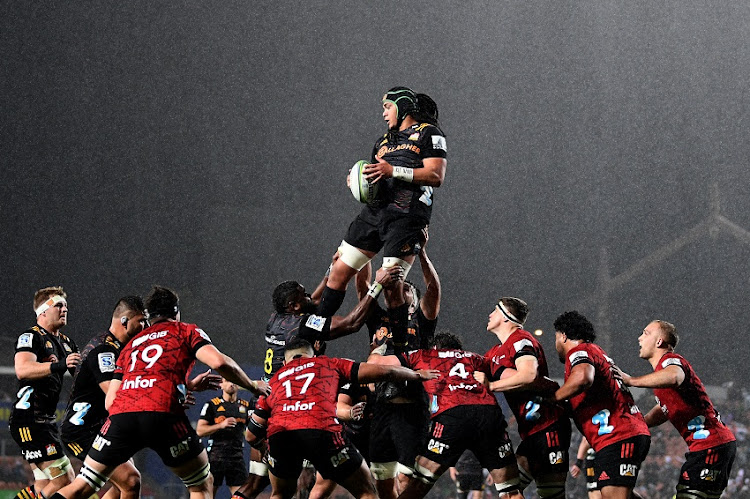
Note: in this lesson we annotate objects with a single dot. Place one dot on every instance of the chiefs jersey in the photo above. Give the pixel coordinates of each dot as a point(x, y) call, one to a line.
point(456, 385)
point(304, 394)
point(605, 413)
point(36, 399)
point(408, 148)
point(154, 368)
point(532, 416)
point(285, 327)
point(689, 408)
point(226, 443)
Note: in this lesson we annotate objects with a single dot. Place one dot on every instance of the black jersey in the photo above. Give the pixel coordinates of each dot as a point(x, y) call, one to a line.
point(410, 147)
point(420, 331)
point(285, 327)
point(85, 410)
point(226, 443)
point(36, 400)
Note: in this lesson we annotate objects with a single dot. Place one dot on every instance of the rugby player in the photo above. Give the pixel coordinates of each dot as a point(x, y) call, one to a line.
point(43, 355)
point(603, 408)
point(544, 427)
point(468, 476)
point(85, 413)
point(585, 457)
point(145, 401)
point(299, 419)
point(681, 398)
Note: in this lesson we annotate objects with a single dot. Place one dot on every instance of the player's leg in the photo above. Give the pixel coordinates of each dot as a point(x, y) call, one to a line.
point(196, 475)
point(59, 473)
point(544, 456)
point(494, 450)
point(127, 481)
point(90, 480)
point(282, 488)
point(426, 474)
point(257, 479)
point(359, 483)
point(235, 474)
point(42, 448)
point(617, 467)
point(705, 473)
point(323, 488)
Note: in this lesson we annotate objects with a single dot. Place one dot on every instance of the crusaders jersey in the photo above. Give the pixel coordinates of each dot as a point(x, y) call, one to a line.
point(36, 400)
point(605, 413)
point(304, 393)
point(226, 442)
point(285, 327)
point(410, 148)
point(85, 408)
point(531, 415)
point(456, 385)
point(154, 368)
point(689, 408)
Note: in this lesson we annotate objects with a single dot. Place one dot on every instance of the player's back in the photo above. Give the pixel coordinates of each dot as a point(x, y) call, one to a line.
point(154, 367)
point(606, 412)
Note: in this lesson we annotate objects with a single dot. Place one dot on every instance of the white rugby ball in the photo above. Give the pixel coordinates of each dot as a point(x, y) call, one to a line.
point(362, 190)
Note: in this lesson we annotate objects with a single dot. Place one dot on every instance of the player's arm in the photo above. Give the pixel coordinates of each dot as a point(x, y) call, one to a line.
point(431, 174)
point(583, 448)
point(27, 367)
point(581, 378)
point(655, 416)
point(669, 377)
point(380, 372)
point(256, 428)
point(318, 291)
point(430, 303)
point(527, 368)
point(347, 410)
point(229, 369)
point(342, 326)
point(112, 389)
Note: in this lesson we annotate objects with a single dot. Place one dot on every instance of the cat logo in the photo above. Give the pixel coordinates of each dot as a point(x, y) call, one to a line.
point(556, 457)
point(628, 470)
point(505, 450)
point(709, 475)
point(340, 458)
point(436, 447)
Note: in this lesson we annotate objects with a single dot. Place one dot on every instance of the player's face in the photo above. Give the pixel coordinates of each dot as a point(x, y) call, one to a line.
point(559, 346)
point(390, 114)
point(57, 315)
point(135, 324)
point(495, 320)
point(228, 387)
point(648, 339)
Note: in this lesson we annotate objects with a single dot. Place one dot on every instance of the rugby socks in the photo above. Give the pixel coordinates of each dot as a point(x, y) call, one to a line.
point(330, 301)
point(27, 493)
point(398, 320)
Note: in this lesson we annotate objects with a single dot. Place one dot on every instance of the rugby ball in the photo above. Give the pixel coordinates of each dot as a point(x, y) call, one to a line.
point(362, 190)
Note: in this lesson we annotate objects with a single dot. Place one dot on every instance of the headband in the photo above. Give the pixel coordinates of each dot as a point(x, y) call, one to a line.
point(507, 314)
point(51, 302)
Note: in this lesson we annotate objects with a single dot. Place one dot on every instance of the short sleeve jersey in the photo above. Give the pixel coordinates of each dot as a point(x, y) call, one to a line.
point(531, 415)
point(411, 147)
point(304, 394)
point(226, 443)
point(36, 400)
point(689, 408)
point(605, 413)
point(285, 327)
point(98, 360)
point(154, 368)
point(456, 385)
point(420, 330)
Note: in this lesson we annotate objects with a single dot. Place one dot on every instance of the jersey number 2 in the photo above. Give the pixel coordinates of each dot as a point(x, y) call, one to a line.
point(601, 418)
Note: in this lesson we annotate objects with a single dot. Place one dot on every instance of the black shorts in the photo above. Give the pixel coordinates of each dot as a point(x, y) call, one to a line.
point(397, 433)
point(229, 468)
point(331, 454)
point(618, 464)
point(708, 470)
point(170, 435)
point(397, 236)
point(39, 442)
point(478, 428)
point(469, 481)
point(547, 450)
point(78, 442)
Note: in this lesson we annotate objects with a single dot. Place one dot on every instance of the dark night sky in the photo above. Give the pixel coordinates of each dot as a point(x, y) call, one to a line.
point(204, 146)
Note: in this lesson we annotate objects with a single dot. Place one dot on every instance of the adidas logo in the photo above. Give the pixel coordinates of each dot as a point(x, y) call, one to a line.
point(685, 476)
point(603, 476)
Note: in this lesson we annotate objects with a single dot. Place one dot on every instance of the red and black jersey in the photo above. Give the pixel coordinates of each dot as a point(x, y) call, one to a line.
point(226, 443)
point(456, 385)
point(36, 400)
point(85, 408)
point(605, 413)
point(304, 394)
point(154, 368)
point(689, 408)
point(410, 147)
point(532, 415)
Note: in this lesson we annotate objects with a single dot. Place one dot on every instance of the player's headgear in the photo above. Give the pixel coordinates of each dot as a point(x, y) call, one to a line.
point(405, 101)
point(514, 309)
point(575, 326)
point(162, 302)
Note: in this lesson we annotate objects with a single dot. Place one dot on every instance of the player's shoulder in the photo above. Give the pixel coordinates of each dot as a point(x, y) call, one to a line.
point(520, 339)
point(673, 359)
point(216, 401)
point(26, 338)
point(582, 353)
point(243, 402)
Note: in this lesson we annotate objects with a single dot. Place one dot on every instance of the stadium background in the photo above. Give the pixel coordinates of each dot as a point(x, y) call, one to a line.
point(205, 147)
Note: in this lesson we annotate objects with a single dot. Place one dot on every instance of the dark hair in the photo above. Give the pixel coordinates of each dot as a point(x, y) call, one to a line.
point(517, 307)
point(128, 303)
point(427, 110)
point(297, 343)
point(447, 341)
point(162, 302)
point(671, 337)
point(282, 294)
point(575, 326)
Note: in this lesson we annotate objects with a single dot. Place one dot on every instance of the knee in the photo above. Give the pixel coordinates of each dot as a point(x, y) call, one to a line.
point(132, 482)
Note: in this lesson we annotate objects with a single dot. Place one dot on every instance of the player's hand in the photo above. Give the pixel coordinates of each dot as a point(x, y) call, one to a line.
point(575, 471)
point(388, 277)
point(189, 400)
point(425, 238)
point(428, 374)
point(261, 388)
point(622, 376)
point(73, 360)
point(357, 412)
point(481, 378)
point(546, 385)
point(376, 171)
point(229, 423)
point(205, 381)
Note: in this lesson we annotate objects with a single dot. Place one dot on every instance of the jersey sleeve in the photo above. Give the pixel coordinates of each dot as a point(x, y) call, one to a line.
point(580, 357)
point(409, 359)
point(29, 341)
point(673, 361)
point(262, 408)
point(315, 327)
point(197, 338)
point(102, 362)
point(523, 347)
point(433, 143)
point(207, 412)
